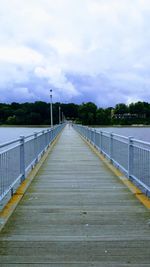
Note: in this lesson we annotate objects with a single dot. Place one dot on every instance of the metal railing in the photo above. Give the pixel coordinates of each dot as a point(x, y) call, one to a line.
point(131, 156)
point(18, 158)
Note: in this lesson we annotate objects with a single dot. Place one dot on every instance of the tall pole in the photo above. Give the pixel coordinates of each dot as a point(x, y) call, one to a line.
point(59, 114)
point(51, 108)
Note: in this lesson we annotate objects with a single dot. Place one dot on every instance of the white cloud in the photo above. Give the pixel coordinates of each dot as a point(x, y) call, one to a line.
point(57, 78)
point(44, 40)
point(132, 99)
point(19, 55)
point(63, 47)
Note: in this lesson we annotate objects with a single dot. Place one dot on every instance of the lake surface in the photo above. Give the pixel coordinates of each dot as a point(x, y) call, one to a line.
point(11, 133)
point(142, 133)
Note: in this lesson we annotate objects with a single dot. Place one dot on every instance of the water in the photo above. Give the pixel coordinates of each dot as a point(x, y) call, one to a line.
point(11, 133)
point(141, 133)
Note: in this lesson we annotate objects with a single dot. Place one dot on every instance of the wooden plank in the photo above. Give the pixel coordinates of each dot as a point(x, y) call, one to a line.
point(76, 213)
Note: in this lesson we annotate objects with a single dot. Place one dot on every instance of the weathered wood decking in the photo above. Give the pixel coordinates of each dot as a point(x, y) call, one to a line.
point(76, 213)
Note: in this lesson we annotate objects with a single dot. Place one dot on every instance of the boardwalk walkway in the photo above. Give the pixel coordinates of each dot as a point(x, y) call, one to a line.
point(76, 213)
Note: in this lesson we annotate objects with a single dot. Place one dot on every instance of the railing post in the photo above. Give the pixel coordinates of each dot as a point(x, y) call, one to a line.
point(111, 147)
point(44, 137)
point(88, 133)
point(94, 141)
point(47, 138)
point(50, 137)
point(55, 131)
point(35, 148)
point(52, 134)
point(22, 158)
point(84, 132)
point(130, 156)
point(92, 136)
point(100, 142)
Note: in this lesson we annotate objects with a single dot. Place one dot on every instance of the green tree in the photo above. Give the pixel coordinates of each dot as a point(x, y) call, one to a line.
point(87, 113)
point(100, 116)
point(34, 118)
point(121, 109)
point(5, 112)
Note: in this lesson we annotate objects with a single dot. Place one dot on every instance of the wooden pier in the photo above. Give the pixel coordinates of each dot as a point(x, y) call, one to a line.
point(76, 212)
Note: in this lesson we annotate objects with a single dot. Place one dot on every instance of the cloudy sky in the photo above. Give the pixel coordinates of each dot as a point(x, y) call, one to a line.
point(85, 50)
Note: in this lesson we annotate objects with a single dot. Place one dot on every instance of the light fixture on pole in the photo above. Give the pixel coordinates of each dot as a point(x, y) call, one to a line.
point(51, 108)
point(59, 114)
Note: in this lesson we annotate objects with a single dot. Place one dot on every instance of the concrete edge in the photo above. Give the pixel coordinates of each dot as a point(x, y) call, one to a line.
point(7, 211)
point(135, 190)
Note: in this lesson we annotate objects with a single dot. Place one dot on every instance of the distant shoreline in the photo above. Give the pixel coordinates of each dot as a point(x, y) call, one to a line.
point(92, 126)
point(120, 126)
point(24, 126)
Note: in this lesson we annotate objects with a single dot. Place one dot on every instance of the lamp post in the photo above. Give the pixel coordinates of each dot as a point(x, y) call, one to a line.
point(51, 108)
point(59, 114)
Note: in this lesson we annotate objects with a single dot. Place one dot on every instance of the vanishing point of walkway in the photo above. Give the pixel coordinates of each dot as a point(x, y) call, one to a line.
point(76, 213)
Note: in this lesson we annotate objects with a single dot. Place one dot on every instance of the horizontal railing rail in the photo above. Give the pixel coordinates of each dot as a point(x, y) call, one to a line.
point(131, 156)
point(18, 158)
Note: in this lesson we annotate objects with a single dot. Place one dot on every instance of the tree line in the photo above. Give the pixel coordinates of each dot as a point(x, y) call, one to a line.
point(38, 113)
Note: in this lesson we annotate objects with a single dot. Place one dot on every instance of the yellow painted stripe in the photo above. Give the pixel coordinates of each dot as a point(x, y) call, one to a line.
point(134, 189)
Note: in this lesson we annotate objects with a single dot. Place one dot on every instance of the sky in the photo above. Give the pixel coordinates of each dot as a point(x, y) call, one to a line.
point(84, 50)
